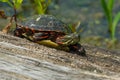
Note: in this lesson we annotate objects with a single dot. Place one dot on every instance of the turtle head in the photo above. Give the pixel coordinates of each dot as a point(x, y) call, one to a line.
point(69, 39)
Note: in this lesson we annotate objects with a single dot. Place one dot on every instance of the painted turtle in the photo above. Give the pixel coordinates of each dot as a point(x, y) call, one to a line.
point(49, 31)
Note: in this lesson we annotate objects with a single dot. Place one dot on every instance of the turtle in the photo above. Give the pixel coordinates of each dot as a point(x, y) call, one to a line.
point(50, 31)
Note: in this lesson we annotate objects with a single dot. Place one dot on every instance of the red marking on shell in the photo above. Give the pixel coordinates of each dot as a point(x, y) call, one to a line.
point(43, 37)
point(32, 29)
point(27, 29)
point(75, 47)
point(60, 42)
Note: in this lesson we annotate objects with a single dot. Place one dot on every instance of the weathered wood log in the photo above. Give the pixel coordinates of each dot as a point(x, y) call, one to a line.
point(21, 59)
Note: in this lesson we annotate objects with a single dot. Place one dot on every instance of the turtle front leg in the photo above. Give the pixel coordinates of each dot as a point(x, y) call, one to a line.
point(74, 47)
point(72, 43)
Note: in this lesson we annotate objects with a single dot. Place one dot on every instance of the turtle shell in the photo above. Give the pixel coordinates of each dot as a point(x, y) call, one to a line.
point(46, 23)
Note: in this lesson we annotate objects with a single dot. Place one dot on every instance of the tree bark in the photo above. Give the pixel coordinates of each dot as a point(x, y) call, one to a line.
point(21, 59)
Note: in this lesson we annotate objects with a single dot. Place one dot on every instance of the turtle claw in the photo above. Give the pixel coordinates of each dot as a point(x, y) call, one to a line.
point(77, 49)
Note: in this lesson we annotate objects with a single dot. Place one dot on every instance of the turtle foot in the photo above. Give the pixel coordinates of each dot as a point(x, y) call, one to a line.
point(77, 49)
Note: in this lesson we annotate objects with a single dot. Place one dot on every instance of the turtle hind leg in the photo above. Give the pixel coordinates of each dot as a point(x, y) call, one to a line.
point(77, 49)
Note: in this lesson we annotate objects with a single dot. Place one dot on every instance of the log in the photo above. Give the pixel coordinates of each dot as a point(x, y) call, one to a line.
point(21, 59)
